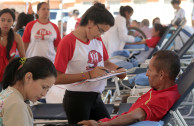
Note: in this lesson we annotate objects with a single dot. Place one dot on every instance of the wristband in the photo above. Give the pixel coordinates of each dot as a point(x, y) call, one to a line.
point(83, 76)
point(118, 68)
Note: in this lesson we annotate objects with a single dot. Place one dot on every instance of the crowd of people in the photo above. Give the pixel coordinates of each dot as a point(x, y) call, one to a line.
point(33, 57)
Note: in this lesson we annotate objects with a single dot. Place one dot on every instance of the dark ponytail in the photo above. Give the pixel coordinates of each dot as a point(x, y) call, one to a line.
point(123, 9)
point(10, 37)
point(9, 74)
point(40, 67)
point(160, 28)
point(98, 14)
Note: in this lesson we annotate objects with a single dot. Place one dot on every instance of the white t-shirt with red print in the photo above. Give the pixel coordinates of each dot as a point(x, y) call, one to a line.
point(42, 39)
point(75, 56)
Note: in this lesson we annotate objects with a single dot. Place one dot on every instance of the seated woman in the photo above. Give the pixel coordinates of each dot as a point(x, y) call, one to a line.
point(23, 80)
point(157, 32)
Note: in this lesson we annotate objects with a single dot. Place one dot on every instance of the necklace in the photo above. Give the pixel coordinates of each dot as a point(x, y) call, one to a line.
point(2, 37)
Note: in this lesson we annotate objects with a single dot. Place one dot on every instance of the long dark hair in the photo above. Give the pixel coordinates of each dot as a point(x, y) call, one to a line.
point(40, 67)
point(160, 28)
point(10, 37)
point(23, 19)
point(98, 14)
point(123, 9)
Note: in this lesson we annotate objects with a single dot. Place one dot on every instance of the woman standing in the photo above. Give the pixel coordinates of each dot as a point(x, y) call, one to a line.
point(41, 37)
point(82, 55)
point(179, 12)
point(117, 36)
point(9, 40)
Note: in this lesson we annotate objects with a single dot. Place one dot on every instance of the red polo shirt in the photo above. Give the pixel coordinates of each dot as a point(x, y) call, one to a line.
point(155, 103)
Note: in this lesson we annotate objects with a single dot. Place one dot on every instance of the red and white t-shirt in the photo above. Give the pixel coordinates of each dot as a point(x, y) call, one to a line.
point(155, 103)
point(75, 56)
point(42, 39)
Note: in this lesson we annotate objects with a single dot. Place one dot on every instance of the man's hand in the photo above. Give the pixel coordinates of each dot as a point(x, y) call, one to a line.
point(88, 123)
point(121, 76)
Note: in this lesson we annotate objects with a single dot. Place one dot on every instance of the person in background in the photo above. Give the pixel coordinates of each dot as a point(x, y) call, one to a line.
point(157, 32)
point(163, 69)
point(64, 27)
point(116, 37)
point(144, 26)
point(179, 12)
point(23, 20)
point(135, 23)
point(82, 55)
point(72, 21)
point(183, 36)
point(41, 37)
point(156, 20)
point(9, 40)
point(23, 80)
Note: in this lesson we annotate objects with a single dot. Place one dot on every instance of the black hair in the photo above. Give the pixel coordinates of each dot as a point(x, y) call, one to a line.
point(13, 10)
point(168, 61)
point(153, 22)
point(160, 28)
point(98, 14)
point(39, 5)
point(10, 37)
point(75, 12)
point(176, 2)
point(123, 9)
point(40, 67)
point(23, 19)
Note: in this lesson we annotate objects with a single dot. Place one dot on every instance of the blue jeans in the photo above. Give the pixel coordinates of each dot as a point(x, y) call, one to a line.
point(148, 123)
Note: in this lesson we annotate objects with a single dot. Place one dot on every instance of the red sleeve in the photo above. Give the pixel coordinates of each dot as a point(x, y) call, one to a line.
point(64, 53)
point(157, 108)
point(58, 39)
point(27, 32)
point(152, 42)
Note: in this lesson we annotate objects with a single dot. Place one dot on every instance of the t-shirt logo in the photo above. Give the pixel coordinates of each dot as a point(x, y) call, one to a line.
point(94, 58)
point(41, 33)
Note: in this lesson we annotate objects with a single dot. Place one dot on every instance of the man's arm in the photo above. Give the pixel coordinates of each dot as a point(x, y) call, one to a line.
point(126, 119)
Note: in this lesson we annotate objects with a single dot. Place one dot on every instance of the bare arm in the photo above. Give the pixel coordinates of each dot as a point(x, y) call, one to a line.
point(20, 45)
point(137, 43)
point(26, 46)
point(63, 78)
point(129, 118)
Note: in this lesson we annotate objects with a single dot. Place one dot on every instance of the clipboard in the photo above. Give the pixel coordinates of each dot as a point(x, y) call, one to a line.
point(109, 75)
